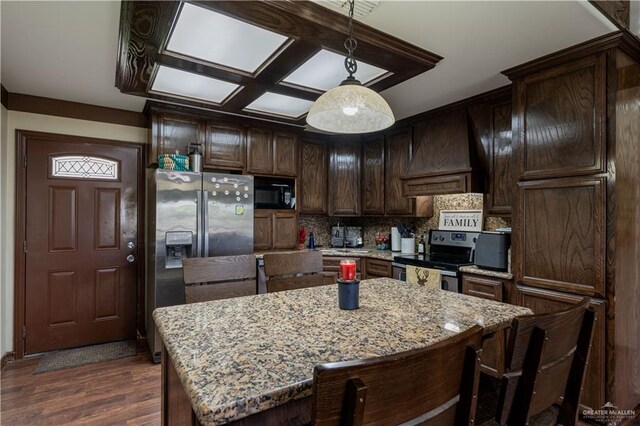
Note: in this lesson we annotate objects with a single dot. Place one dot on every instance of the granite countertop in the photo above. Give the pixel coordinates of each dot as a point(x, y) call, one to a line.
point(350, 252)
point(473, 269)
point(237, 357)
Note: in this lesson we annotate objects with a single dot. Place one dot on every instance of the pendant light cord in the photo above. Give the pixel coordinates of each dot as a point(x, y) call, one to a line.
point(350, 44)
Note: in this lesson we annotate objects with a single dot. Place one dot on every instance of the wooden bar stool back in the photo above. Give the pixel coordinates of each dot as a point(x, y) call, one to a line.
point(290, 271)
point(436, 385)
point(221, 277)
point(546, 359)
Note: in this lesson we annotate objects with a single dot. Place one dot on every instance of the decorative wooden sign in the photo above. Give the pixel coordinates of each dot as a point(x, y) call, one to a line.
point(461, 220)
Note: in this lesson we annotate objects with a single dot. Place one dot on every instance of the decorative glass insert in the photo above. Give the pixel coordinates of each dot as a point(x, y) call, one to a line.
point(79, 166)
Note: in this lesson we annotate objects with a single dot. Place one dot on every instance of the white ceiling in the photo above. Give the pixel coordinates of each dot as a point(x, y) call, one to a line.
point(67, 50)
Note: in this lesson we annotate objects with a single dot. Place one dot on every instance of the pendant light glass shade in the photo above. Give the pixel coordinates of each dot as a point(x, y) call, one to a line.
point(350, 108)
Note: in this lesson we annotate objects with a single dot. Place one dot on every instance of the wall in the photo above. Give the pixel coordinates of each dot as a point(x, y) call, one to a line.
point(42, 123)
point(321, 225)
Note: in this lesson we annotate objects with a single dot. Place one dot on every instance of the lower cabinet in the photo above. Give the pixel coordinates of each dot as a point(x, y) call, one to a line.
point(377, 268)
point(275, 229)
point(542, 301)
point(331, 267)
point(493, 347)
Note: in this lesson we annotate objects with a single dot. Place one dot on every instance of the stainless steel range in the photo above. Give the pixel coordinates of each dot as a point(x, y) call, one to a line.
point(448, 251)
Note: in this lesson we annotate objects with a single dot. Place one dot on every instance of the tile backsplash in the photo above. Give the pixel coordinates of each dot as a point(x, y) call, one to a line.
point(321, 225)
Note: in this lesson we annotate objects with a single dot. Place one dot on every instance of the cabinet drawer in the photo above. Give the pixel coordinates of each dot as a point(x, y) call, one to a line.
point(483, 287)
point(377, 268)
point(436, 185)
point(332, 264)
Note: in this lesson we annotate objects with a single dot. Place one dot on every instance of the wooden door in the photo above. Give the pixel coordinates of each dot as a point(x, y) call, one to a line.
point(262, 229)
point(285, 154)
point(81, 243)
point(259, 151)
point(344, 178)
point(225, 147)
point(312, 195)
point(398, 155)
point(285, 230)
point(373, 176)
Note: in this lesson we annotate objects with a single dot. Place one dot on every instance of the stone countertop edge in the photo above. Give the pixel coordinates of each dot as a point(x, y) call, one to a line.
point(473, 269)
point(183, 336)
point(373, 253)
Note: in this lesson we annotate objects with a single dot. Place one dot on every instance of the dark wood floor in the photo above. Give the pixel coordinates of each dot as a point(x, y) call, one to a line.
point(119, 392)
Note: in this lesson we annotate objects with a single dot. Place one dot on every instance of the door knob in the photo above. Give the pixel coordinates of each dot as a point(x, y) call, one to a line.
point(131, 258)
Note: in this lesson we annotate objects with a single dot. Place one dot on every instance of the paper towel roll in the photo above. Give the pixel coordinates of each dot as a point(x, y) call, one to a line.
point(395, 239)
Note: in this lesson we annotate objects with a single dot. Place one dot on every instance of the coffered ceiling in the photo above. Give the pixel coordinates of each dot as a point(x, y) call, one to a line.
point(68, 50)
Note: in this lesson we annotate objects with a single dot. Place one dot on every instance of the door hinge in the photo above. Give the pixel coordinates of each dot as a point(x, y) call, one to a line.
point(24, 332)
point(24, 246)
point(25, 161)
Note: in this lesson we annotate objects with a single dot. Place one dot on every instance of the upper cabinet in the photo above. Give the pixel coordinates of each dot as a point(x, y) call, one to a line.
point(398, 155)
point(312, 194)
point(443, 157)
point(225, 147)
point(560, 117)
point(501, 174)
point(373, 176)
point(171, 133)
point(344, 178)
point(272, 153)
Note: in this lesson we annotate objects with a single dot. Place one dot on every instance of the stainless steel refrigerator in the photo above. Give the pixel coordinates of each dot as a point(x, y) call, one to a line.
point(191, 215)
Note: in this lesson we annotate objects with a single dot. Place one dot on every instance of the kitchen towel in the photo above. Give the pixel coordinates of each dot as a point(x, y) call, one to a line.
point(425, 277)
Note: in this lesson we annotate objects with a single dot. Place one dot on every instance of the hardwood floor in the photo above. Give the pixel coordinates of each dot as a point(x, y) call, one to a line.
point(120, 392)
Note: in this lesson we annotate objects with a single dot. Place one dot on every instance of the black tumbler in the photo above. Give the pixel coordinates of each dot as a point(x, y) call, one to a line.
point(348, 294)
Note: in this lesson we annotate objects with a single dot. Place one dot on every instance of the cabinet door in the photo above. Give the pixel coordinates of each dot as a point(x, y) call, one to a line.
point(544, 301)
point(376, 268)
point(344, 179)
point(259, 151)
point(483, 287)
point(561, 116)
point(561, 240)
point(285, 230)
point(225, 146)
point(312, 192)
point(501, 168)
point(262, 229)
point(373, 176)
point(171, 134)
point(398, 155)
point(285, 154)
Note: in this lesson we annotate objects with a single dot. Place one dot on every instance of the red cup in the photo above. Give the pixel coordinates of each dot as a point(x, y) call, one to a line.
point(347, 270)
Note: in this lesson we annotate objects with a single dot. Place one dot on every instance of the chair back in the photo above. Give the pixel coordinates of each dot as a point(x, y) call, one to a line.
point(435, 385)
point(222, 277)
point(291, 271)
point(546, 359)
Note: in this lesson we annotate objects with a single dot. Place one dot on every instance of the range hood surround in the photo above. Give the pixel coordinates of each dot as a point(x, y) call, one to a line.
point(444, 159)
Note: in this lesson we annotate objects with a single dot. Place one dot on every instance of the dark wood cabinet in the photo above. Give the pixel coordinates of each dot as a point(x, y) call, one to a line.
point(225, 147)
point(171, 133)
point(377, 268)
point(275, 229)
point(272, 153)
point(344, 178)
point(501, 169)
point(259, 151)
point(312, 194)
point(262, 229)
point(373, 161)
point(331, 267)
point(560, 117)
point(397, 157)
point(561, 238)
point(285, 230)
point(544, 301)
point(285, 154)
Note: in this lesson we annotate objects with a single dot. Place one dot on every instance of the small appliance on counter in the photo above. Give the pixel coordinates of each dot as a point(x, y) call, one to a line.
point(354, 236)
point(492, 250)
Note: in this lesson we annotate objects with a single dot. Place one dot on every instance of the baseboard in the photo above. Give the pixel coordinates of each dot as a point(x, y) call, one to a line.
point(6, 359)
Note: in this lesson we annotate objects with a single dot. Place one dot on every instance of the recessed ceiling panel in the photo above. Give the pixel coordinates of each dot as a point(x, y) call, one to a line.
point(325, 70)
point(212, 37)
point(274, 103)
point(182, 83)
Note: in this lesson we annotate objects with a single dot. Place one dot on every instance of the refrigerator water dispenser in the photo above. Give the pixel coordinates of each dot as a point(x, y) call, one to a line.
point(178, 245)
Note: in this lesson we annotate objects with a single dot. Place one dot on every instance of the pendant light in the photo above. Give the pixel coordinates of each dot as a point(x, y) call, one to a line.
point(350, 108)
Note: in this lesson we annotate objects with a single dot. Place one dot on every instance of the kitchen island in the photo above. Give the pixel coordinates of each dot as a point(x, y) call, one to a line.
point(250, 360)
